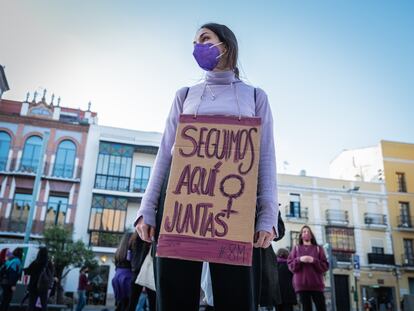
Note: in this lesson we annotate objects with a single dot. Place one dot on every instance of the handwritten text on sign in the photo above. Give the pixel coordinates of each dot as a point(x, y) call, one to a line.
point(211, 196)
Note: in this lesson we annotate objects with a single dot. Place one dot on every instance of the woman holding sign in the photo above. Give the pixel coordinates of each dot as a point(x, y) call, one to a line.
point(218, 153)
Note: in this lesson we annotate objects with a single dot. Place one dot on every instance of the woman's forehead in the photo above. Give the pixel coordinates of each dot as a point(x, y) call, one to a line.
point(203, 31)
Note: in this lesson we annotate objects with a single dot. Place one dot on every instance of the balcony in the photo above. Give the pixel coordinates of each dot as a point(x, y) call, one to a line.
point(337, 217)
point(407, 260)
point(300, 215)
point(405, 223)
point(115, 183)
point(342, 256)
point(381, 259)
point(375, 220)
point(118, 183)
point(30, 168)
point(105, 238)
point(62, 171)
point(18, 226)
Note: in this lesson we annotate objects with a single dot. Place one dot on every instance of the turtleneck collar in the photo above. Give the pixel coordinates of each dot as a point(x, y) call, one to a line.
point(220, 77)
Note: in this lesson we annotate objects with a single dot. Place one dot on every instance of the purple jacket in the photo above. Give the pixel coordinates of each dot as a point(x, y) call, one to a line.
point(308, 276)
point(224, 104)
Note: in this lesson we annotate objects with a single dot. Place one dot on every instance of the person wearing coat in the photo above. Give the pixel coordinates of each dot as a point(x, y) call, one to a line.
point(11, 271)
point(287, 293)
point(35, 269)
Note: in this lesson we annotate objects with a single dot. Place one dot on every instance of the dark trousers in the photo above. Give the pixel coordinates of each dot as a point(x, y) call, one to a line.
point(318, 298)
point(284, 307)
point(178, 286)
point(136, 290)
point(33, 294)
point(7, 297)
point(178, 281)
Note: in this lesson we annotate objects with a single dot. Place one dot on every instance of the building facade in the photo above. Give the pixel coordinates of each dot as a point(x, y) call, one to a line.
point(118, 163)
point(392, 162)
point(22, 131)
point(352, 216)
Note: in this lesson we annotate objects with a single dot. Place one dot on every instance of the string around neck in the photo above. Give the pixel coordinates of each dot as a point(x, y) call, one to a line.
point(236, 95)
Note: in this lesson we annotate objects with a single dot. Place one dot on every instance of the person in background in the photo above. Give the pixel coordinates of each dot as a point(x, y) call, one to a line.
point(121, 282)
point(82, 286)
point(3, 254)
point(139, 250)
point(308, 263)
point(40, 265)
point(287, 292)
point(11, 271)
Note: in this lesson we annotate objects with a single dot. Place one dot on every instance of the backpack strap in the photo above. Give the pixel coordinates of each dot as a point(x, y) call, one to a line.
point(255, 95)
point(184, 98)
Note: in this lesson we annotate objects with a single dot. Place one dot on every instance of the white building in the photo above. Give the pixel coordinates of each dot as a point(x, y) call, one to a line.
point(117, 166)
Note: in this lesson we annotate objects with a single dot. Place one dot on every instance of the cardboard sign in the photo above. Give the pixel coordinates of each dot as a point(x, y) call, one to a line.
point(211, 196)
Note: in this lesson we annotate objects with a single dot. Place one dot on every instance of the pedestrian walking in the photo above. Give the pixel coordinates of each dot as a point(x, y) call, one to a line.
point(139, 250)
point(221, 93)
point(287, 293)
point(41, 273)
point(82, 286)
point(308, 263)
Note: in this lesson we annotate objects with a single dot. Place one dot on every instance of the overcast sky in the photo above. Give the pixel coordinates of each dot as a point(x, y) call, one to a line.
point(339, 74)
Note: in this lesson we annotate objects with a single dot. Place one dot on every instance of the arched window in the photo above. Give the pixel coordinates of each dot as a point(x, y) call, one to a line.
point(65, 159)
point(31, 154)
point(5, 140)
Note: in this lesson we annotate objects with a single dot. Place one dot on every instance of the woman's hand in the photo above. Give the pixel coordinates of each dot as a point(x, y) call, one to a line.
point(263, 239)
point(145, 232)
point(306, 259)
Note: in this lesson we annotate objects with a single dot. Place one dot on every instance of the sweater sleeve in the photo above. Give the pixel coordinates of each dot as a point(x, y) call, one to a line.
point(321, 263)
point(293, 261)
point(267, 207)
point(162, 162)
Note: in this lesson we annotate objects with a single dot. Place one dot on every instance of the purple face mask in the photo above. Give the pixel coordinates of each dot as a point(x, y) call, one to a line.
point(207, 55)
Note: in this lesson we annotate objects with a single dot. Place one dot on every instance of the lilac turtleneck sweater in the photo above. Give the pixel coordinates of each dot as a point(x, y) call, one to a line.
point(225, 103)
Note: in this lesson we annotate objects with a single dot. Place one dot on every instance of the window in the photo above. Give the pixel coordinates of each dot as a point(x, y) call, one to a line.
point(65, 159)
point(294, 238)
point(402, 186)
point(405, 219)
point(107, 220)
point(377, 246)
point(408, 252)
point(57, 208)
point(142, 174)
point(411, 285)
point(20, 212)
point(378, 250)
point(114, 166)
point(341, 239)
point(31, 154)
point(5, 140)
point(294, 206)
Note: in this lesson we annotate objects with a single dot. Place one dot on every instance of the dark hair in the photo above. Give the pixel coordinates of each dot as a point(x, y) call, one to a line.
point(3, 254)
point(229, 39)
point(84, 268)
point(282, 253)
point(18, 252)
point(313, 240)
point(122, 250)
point(42, 256)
